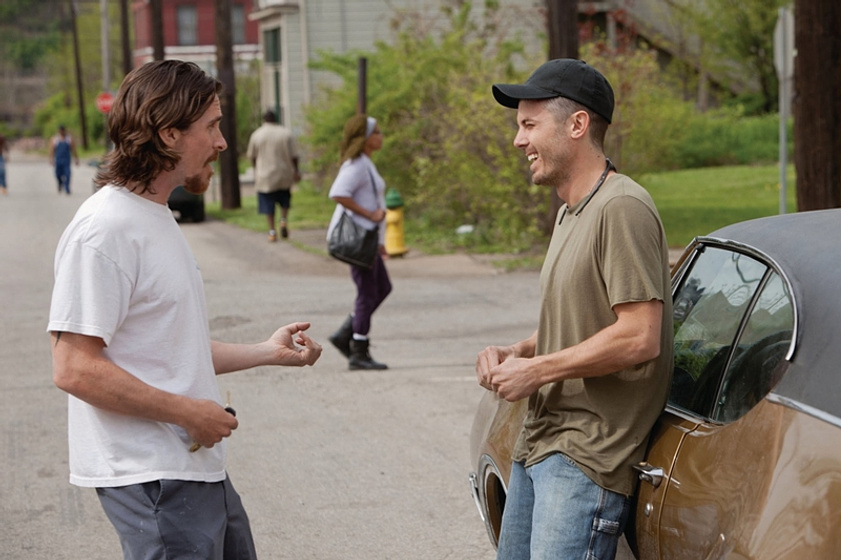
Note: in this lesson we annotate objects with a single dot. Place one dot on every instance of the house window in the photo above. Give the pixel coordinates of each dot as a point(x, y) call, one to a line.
point(271, 44)
point(238, 24)
point(188, 23)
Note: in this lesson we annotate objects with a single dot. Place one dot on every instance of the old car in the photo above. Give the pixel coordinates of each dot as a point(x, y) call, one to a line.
point(745, 461)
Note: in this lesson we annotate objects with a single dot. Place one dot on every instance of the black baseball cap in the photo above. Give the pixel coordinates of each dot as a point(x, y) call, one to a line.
point(562, 77)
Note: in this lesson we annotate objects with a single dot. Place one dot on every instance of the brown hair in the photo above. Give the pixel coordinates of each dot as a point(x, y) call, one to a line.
point(353, 138)
point(156, 96)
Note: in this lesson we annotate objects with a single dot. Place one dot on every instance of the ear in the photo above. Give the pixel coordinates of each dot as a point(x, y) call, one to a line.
point(169, 136)
point(579, 123)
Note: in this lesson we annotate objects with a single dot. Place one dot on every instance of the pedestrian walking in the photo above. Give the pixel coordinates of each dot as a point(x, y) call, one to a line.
point(62, 151)
point(273, 152)
point(359, 190)
point(4, 154)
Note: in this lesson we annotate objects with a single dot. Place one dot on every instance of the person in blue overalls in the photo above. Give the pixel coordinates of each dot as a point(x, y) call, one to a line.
point(61, 149)
point(4, 149)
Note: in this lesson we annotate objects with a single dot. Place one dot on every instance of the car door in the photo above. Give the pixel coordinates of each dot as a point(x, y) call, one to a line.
point(733, 321)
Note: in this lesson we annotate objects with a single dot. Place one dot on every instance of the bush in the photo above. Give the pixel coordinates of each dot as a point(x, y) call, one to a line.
point(448, 143)
point(725, 137)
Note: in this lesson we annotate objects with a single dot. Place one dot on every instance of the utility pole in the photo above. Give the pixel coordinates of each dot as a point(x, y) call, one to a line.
point(229, 170)
point(157, 29)
point(125, 38)
point(362, 86)
point(80, 90)
point(105, 37)
point(562, 26)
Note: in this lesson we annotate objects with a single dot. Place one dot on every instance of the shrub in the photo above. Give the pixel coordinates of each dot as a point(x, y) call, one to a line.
point(448, 144)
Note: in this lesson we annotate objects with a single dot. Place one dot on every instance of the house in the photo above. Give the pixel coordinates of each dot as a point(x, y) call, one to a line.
point(189, 28)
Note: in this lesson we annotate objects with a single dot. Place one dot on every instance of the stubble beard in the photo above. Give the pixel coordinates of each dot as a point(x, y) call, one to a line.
point(200, 182)
point(556, 170)
point(196, 184)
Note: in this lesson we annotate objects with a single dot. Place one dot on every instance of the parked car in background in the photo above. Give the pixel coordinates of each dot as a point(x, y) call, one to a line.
point(745, 461)
point(186, 205)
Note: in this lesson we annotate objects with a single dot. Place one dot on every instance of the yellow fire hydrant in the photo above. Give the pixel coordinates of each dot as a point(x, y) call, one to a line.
point(394, 239)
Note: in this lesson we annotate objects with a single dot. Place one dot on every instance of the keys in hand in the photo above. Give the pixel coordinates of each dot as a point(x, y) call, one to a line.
point(229, 409)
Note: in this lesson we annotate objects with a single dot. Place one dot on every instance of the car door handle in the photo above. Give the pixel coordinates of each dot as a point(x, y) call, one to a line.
point(650, 474)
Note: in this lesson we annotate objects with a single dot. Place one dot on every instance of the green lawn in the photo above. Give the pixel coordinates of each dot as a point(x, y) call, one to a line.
point(691, 202)
point(697, 201)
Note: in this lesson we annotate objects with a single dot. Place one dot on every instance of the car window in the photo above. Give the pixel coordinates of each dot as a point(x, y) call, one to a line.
point(760, 361)
point(709, 306)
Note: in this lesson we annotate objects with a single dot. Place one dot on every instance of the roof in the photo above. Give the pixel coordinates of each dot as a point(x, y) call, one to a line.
point(805, 246)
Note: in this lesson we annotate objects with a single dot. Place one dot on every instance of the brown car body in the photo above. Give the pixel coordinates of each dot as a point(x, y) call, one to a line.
point(745, 462)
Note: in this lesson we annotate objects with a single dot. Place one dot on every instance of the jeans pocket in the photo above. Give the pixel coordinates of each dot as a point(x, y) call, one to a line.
point(152, 490)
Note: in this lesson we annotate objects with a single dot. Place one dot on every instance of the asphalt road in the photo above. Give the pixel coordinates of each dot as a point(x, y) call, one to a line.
point(331, 464)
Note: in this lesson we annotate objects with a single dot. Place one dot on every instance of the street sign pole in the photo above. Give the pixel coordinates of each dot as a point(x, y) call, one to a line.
point(784, 63)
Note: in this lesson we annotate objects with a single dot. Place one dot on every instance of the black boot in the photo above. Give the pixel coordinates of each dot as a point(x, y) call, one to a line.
point(360, 358)
point(341, 338)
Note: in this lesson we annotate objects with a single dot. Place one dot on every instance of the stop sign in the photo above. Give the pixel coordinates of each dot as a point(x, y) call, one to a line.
point(104, 101)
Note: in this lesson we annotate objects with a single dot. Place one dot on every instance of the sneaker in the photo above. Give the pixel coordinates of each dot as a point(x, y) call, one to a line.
point(272, 236)
point(284, 233)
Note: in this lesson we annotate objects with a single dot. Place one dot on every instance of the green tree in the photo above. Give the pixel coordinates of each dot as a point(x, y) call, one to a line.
point(736, 45)
point(448, 144)
point(29, 30)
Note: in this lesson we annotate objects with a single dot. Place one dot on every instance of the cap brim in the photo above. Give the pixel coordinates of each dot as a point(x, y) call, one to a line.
point(509, 95)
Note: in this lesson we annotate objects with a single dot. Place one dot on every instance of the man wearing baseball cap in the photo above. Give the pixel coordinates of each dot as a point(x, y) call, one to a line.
point(597, 369)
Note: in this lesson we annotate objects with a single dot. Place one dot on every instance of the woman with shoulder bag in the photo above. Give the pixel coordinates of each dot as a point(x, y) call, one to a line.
point(359, 191)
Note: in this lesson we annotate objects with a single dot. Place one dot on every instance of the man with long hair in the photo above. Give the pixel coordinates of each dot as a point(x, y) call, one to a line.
point(130, 338)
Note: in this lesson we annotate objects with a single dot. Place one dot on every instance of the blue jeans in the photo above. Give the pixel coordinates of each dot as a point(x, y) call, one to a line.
point(62, 173)
point(554, 511)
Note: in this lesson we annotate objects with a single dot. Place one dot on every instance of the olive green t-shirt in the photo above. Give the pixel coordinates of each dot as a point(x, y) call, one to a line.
point(607, 250)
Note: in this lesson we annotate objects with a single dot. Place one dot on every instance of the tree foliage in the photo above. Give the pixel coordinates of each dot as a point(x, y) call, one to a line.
point(448, 144)
point(737, 45)
point(30, 30)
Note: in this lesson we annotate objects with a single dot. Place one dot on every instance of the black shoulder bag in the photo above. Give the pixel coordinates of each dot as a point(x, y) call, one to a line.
point(351, 243)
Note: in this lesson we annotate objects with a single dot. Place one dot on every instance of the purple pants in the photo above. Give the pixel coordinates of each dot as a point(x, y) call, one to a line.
point(372, 287)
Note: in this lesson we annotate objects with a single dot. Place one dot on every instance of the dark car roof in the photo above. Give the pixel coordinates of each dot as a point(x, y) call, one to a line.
point(805, 245)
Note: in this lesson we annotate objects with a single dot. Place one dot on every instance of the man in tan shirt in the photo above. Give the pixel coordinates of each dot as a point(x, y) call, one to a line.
point(597, 370)
point(274, 153)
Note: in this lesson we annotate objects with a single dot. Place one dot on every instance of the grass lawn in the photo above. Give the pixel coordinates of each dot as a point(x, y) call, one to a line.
point(697, 201)
point(691, 202)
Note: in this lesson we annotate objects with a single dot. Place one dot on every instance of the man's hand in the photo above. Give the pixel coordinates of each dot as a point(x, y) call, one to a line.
point(507, 370)
point(207, 423)
point(514, 379)
point(488, 359)
point(291, 347)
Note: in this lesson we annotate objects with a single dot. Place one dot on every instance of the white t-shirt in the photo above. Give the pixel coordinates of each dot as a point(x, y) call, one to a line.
point(354, 180)
point(124, 273)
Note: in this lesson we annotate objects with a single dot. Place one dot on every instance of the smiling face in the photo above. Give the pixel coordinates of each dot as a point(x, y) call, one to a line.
point(199, 146)
point(541, 137)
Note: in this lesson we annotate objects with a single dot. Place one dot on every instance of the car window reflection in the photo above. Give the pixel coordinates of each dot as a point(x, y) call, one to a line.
point(759, 362)
point(708, 311)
